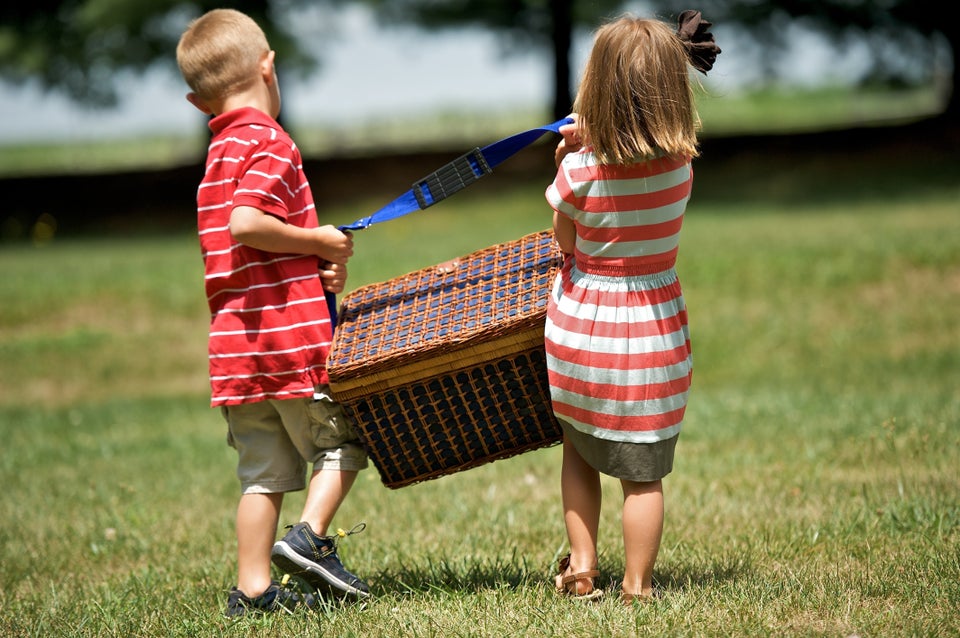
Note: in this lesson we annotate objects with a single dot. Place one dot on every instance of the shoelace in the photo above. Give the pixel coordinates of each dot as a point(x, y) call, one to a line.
point(341, 533)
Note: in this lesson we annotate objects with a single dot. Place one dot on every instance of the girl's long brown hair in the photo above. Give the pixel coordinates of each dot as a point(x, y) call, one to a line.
point(635, 99)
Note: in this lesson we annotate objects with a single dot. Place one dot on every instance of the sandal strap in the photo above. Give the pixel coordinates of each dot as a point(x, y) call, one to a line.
point(593, 573)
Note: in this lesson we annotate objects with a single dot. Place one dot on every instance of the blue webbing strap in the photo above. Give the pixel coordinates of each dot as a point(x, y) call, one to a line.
point(447, 180)
point(455, 176)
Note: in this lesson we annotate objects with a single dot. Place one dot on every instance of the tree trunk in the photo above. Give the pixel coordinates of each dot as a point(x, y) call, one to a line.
point(952, 110)
point(562, 37)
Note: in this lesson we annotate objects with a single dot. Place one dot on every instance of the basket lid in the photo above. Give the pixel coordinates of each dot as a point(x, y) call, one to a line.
point(494, 291)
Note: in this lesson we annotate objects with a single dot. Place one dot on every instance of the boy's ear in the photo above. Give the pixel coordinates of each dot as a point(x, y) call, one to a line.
point(194, 99)
point(266, 66)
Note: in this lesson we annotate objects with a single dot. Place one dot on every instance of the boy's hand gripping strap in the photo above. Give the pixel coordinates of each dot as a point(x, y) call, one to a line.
point(447, 180)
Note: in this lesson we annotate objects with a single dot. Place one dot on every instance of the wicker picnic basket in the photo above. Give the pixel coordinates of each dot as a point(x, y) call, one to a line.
point(444, 372)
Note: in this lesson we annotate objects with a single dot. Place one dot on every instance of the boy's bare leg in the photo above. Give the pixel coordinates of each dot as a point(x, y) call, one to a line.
point(642, 531)
point(326, 491)
point(308, 551)
point(257, 518)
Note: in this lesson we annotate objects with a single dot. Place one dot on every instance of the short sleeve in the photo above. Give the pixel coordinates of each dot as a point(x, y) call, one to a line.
point(270, 177)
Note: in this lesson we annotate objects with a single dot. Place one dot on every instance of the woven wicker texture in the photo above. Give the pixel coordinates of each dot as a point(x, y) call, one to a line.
point(442, 373)
point(494, 291)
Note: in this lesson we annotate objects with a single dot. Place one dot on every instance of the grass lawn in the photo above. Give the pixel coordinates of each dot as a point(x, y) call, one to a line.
point(817, 484)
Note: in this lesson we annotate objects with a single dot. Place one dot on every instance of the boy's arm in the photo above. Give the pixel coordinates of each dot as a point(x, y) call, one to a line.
point(257, 229)
point(333, 276)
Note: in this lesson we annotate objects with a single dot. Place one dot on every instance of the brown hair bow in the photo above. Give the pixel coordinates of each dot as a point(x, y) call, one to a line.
point(702, 50)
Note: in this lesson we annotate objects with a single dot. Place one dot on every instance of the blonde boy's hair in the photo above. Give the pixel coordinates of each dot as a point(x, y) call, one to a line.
point(635, 99)
point(220, 52)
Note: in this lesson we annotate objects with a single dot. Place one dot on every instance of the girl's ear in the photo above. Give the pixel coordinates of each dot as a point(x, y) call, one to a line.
point(194, 99)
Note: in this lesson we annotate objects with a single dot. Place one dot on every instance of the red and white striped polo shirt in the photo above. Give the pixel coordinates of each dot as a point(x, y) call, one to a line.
point(270, 328)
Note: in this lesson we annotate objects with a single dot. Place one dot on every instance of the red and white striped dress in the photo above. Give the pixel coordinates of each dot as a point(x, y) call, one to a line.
point(617, 342)
point(270, 329)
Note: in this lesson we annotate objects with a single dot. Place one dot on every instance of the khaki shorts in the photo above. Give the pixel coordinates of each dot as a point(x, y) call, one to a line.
point(276, 440)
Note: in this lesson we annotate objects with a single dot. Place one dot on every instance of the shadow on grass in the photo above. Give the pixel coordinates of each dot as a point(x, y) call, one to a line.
point(721, 569)
point(834, 166)
point(831, 167)
point(446, 574)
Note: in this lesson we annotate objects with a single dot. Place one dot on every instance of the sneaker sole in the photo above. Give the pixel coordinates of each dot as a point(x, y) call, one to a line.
point(288, 560)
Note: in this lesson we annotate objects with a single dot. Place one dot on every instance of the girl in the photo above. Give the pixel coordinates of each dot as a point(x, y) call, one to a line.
point(618, 348)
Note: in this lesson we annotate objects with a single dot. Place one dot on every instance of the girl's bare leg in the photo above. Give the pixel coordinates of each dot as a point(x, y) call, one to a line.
point(580, 485)
point(642, 531)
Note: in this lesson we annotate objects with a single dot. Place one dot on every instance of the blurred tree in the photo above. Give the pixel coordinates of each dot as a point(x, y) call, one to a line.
point(911, 41)
point(903, 34)
point(545, 24)
point(78, 46)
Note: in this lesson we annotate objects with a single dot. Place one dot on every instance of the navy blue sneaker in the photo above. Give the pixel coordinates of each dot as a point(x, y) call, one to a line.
point(314, 559)
point(276, 598)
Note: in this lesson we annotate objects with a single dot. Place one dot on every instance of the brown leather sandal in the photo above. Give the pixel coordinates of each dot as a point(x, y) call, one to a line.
point(629, 599)
point(562, 582)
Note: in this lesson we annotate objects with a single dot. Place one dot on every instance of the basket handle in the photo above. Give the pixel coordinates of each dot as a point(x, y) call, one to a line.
point(456, 175)
point(450, 178)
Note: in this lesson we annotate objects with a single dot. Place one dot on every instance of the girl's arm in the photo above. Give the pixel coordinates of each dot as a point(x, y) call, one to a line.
point(571, 141)
point(565, 232)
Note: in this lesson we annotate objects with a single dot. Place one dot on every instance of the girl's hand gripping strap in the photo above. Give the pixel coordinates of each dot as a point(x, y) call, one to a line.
point(447, 180)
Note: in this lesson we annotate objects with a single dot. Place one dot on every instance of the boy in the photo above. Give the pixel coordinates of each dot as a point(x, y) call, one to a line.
point(270, 328)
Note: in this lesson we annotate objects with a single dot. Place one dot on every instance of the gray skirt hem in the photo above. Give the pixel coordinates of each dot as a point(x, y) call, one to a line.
point(638, 462)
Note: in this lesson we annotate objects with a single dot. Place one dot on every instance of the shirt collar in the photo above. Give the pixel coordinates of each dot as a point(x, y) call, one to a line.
point(243, 116)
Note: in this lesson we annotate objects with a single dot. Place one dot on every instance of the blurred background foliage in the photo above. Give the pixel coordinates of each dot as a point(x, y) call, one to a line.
point(78, 46)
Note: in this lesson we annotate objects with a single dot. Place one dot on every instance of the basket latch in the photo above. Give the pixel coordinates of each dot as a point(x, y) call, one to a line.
point(450, 178)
